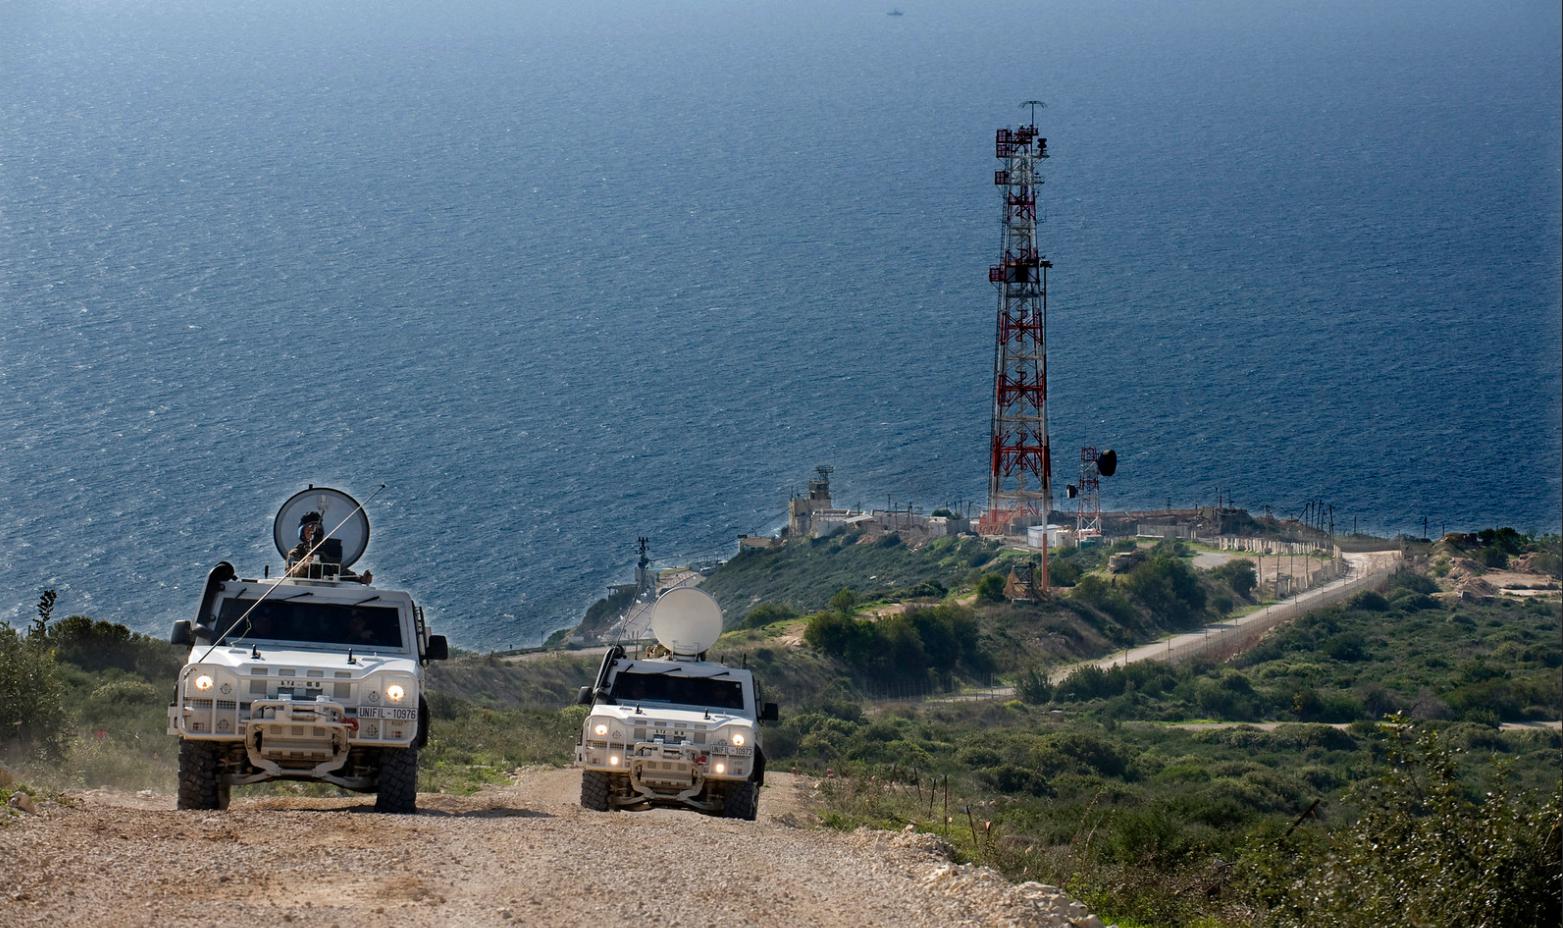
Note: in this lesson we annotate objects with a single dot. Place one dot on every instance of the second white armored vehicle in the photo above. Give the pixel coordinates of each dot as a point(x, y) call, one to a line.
point(678, 730)
point(313, 676)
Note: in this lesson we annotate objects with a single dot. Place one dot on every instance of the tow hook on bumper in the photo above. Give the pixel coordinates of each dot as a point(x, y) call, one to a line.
point(664, 772)
point(288, 738)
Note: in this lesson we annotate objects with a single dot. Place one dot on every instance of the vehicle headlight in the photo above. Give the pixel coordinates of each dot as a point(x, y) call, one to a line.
point(395, 693)
point(600, 729)
point(203, 682)
point(721, 769)
point(738, 739)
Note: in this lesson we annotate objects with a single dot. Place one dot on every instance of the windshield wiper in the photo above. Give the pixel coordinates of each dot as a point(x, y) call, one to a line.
point(369, 600)
point(298, 596)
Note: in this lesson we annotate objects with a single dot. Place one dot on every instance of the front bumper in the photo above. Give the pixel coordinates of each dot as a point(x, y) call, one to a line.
point(295, 739)
point(658, 770)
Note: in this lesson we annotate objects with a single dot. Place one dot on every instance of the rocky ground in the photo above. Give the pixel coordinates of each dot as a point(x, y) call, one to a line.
point(523, 854)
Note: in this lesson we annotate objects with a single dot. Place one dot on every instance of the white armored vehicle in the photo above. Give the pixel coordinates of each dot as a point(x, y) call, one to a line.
point(316, 675)
point(679, 730)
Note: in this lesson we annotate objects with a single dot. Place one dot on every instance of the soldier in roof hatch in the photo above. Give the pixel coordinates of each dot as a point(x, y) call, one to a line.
point(304, 555)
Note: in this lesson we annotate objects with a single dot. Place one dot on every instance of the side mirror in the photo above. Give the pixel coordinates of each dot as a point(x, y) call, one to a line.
point(438, 649)
point(181, 634)
point(584, 697)
point(769, 712)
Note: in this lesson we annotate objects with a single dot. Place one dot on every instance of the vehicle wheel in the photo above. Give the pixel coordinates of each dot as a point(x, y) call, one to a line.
point(397, 790)
point(741, 800)
point(199, 784)
point(595, 788)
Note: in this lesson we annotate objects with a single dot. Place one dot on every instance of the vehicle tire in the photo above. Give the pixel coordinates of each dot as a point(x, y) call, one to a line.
point(594, 790)
point(199, 776)
point(741, 800)
point(397, 789)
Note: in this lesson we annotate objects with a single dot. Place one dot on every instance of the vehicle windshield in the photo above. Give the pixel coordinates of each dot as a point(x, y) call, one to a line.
point(302, 620)
point(677, 689)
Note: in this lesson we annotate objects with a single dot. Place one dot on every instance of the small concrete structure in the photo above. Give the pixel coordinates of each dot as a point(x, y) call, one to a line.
point(1058, 536)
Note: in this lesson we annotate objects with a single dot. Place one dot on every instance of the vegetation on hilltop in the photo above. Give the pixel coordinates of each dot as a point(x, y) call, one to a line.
point(803, 575)
point(1410, 653)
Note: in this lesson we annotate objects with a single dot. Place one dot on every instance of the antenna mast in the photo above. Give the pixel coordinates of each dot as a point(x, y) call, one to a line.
point(1088, 515)
point(1020, 483)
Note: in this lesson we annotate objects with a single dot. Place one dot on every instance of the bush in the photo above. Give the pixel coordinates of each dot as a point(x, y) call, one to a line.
point(1369, 601)
point(765, 614)
point(901, 648)
point(33, 719)
point(1101, 593)
point(1169, 589)
point(1422, 852)
point(1239, 575)
point(1063, 572)
point(1011, 778)
point(1033, 687)
point(991, 588)
point(844, 601)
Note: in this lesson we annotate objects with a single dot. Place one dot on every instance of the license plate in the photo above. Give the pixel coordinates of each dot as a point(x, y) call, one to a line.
point(377, 712)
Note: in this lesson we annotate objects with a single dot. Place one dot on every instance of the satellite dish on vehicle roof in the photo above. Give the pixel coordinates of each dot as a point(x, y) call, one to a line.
point(686, 621)
point(333, 506)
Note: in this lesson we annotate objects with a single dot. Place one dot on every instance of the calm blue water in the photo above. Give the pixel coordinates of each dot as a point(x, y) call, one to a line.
point(560, 278)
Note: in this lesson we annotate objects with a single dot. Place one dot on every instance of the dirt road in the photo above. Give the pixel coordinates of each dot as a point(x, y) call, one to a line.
point(1368, 571)
point(520, 855)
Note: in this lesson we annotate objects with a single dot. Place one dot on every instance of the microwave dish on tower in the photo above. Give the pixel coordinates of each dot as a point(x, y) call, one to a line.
point(686, 621)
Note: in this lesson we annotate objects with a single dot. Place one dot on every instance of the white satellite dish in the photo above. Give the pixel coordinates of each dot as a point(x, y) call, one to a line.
point(333, 506)
point(686, 621)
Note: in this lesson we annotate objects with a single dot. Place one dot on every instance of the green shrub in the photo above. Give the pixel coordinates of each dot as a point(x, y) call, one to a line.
point(1033, 687)
point(1063, 572)
point(844, 601)
point(1423, 851)
point(1169, 588)
point(1011, 778)
point(33, 719)
point(766, 614)
point(1239, 575)
point(991, 588)
point(1369, 601)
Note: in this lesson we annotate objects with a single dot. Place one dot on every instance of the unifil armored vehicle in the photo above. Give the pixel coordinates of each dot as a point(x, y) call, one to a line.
point(314, 675)
point(676, 730)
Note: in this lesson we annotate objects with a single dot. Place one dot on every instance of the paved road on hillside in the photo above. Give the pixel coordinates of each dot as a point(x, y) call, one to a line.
point(1366, 571)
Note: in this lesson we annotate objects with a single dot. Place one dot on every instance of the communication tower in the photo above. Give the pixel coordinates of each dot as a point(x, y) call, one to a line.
point(1020, 484)
point(644, 582)
point(1088, 510)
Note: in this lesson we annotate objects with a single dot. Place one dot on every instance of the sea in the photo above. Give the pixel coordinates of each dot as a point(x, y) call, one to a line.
point(559, 276)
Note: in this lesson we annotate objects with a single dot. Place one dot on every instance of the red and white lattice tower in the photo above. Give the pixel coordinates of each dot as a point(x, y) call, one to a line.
point(1088, 513)
point(1020, 484)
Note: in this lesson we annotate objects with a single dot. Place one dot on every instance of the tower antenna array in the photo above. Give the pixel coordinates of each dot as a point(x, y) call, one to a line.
point(1088, 514)
point(1020, 483)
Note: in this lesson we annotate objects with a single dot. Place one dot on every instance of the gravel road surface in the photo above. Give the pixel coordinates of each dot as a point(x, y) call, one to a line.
point(526, 854)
